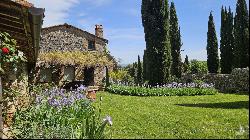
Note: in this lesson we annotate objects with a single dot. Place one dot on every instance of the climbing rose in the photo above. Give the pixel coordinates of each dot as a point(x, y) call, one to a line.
point(5, 50)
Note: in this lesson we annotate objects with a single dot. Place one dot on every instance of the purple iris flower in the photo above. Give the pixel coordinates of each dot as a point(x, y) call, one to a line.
point(82, 88)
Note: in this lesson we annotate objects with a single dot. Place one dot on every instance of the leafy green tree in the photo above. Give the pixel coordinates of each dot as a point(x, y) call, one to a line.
point(175, 38)
point(212, 47)
point(241, 31)
point(198, 67)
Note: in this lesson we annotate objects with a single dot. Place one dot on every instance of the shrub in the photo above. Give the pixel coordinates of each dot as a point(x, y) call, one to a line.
point(198, 67)
point(121, 76)
point(173, 89)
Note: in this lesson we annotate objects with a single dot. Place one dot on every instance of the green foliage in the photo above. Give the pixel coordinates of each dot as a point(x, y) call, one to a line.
point(227, 41)
point(155, 20)
point(241, 35)
point(145, 66)
point(212, 47)
point(121, 76)
point(13, 56)
point(82, 59)
point(139, 71)
point(219, 116)
point(241, 32)
point(175, 39)
point(198, 67)
point(186, 65)
point(144, 91)
point(107, 77)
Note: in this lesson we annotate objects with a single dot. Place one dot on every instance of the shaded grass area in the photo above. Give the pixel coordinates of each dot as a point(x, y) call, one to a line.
point(209, 116)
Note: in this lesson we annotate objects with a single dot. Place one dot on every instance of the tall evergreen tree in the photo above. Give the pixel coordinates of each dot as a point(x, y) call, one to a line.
point(175, 38)
point(186, 64)
point(145, 72)
point(166, 45)
point(107, 77)
point(139, 71)
point(227, 41)
point(223, 40)
point(241, 25)
point(212, 47)
point(186, 60)
point(155, 19)
point(135, 72)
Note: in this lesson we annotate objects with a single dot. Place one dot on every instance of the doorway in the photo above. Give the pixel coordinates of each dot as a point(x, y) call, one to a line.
point(89, 76)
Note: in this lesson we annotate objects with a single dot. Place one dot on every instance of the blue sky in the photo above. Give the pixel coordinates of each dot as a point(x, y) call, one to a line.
point(121, 20)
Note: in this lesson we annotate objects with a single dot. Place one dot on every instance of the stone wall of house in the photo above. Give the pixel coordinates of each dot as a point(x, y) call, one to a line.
point(100, 73)
point(68, 39)
point(15, 82)
point(237, 81)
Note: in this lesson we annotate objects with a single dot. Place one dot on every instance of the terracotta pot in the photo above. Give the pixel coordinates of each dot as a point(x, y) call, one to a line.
point(91, 94)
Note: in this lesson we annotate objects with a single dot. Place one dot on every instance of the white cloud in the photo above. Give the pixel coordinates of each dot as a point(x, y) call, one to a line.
point(97, 3)
point(56, 11)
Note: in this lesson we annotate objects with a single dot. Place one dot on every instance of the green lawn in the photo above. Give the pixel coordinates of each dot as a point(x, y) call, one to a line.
point(211, 116)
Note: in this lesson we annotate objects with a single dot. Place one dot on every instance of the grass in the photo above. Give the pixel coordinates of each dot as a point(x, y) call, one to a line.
point(209, 116)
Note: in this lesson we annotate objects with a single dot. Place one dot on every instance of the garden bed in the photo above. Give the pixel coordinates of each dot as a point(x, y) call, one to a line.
point(166, 90)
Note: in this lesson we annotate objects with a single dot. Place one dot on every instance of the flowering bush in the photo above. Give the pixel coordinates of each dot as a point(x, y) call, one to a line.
point(57, 113)
point(174, 89)
point(8, 51)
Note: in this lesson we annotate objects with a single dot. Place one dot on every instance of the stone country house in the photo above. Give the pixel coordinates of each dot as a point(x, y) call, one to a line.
point(69, 54)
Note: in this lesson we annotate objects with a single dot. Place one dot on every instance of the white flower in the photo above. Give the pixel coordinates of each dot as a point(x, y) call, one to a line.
point(20, 54)
point(108, 119)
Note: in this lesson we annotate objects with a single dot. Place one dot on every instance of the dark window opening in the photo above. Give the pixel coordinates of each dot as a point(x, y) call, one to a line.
point(91, 45)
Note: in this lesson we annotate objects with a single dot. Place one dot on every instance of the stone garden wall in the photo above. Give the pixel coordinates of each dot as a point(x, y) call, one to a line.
point(237, 81)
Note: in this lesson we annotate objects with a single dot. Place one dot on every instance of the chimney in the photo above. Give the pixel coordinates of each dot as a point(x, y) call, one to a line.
point(99, 31)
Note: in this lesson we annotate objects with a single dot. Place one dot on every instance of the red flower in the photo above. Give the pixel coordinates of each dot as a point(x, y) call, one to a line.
point(5, 50)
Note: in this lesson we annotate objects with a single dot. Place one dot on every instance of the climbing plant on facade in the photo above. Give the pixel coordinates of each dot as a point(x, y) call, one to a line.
point(9, 52)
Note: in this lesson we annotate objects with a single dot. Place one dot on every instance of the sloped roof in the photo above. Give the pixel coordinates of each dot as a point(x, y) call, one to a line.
point(75, 28)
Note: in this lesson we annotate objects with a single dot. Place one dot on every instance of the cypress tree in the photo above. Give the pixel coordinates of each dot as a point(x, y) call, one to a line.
point(175, 39)
point(166, 45)
point(227, 41)
point(212, 47)
point(186, 60)
point(107, 77)
point(139, 71)
point(145, 74)
point(186, 64)
point(155, 20)
point(241, 25)
point(223, 40)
